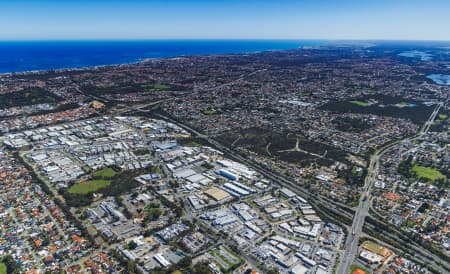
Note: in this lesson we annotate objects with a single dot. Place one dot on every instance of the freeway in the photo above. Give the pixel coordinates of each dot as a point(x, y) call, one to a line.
point(424, 255)
point(263, 171)
point(351, 243)
point(430, 121)
point(362, 210)
point(150, 107)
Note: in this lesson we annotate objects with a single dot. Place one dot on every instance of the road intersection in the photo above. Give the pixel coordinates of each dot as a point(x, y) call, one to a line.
point(362, 211)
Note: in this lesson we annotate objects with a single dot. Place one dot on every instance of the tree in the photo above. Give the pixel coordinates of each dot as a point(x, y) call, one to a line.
point(131, 245)
point(131, 267)
point(200, 268)
point(153, 212)
point(185, 262)
point(404, 168)
point(11, 265)
point(273, 271)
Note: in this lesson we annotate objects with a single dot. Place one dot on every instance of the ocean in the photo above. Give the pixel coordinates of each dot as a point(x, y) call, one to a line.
point(20, 56)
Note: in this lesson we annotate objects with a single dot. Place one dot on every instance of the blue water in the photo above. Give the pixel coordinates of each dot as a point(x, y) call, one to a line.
point(26, 56)
point(440, 79)
point(423, 56)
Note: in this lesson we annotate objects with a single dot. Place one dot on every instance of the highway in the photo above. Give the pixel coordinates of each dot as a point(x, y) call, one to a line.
point(351, 243)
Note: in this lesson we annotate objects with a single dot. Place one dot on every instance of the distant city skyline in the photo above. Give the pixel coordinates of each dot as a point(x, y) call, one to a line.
point(231, 19)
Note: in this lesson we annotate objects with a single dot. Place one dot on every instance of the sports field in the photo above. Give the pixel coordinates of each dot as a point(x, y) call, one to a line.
point(2, 268)
point(88, 186)
point(105, 173)
point(157, 86)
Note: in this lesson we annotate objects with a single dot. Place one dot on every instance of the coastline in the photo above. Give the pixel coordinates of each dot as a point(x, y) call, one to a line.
point(178, 48)
point(134, 53)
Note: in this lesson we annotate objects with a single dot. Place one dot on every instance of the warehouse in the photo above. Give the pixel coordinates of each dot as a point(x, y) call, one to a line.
point(228, 174)
point(217, 194)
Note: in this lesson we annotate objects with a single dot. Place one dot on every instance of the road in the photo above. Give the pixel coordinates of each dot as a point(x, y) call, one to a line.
point(263, 171)
point(351, 243)
point(362, 210)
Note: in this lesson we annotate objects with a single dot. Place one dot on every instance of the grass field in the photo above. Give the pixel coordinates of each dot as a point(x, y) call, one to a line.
point(427, 173)
point(157, 86)
point(193, 144)
point(375, 248)
point(360, 103)
point(2, 268)
point(105, 173)
point(88, 186)
point(443, 116)
point(402, 104)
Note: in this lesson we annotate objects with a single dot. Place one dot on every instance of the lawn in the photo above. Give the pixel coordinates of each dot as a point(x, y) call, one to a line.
point(106, 173)
point(443, 116)
point(427, 173)
point(88, 186)
point(2, 268)
point(360, 103)
point(210, 112)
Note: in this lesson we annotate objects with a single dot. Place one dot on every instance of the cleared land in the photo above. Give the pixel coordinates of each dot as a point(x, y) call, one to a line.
point(427, 173)
point(89, 186)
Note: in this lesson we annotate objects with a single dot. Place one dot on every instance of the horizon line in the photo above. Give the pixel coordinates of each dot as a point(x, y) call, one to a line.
point(221, 39)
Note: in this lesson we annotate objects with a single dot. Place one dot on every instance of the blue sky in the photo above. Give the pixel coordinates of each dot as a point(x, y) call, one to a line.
point(264, 19)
